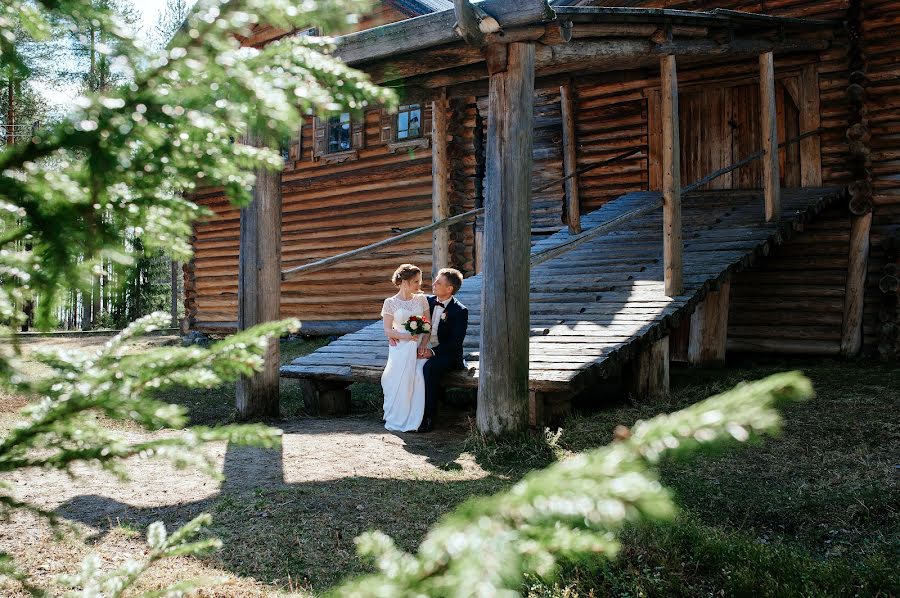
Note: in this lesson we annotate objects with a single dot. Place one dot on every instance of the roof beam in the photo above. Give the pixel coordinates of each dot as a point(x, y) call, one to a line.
point(433, 30)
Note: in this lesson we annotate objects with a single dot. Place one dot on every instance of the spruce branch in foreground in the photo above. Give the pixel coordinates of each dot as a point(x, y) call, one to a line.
point(572, 508)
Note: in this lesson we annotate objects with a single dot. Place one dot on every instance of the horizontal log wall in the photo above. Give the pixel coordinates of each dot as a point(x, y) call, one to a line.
point(611, 118)
point(546, 205)
point(327, 209)
point(881, 49)
point(464, 183)
point(792, 300)
point(807, 276)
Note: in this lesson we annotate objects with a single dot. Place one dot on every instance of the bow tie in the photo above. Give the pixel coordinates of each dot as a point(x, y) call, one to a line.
point(436, 303)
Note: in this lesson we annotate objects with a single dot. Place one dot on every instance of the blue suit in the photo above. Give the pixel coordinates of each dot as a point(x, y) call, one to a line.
point(448, 354)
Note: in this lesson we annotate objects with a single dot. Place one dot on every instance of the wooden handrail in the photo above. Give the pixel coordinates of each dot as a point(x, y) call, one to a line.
point(576, 240)
point(292, 273)
point(744, 161)
point(296, 272)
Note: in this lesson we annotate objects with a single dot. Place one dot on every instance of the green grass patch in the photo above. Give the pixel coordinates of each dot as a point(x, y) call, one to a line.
point(814, 511)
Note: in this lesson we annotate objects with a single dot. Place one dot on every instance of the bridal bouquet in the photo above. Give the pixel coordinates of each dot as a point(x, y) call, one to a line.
point(417, 325)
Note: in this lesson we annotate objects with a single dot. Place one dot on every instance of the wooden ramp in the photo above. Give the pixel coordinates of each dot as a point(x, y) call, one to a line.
point(597, 298)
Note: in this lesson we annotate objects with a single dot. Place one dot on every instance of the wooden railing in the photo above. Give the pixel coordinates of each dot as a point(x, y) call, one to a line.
point(298, 271)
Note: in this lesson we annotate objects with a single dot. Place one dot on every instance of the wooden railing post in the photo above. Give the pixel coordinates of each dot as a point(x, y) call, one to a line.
point(259, 287)
point(503, 377)
point(671, 166)
point(769, 130)
point(440, 184)
point(570, 157)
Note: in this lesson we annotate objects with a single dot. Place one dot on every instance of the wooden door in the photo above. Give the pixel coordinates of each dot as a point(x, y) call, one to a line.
point(719, 126)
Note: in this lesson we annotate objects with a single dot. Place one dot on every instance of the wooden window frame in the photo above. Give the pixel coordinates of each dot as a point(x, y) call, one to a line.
point(321, 136)
point(389, 129)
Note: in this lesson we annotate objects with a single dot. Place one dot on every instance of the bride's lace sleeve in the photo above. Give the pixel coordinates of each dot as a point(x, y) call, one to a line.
point(388, 308)
point(423, 300)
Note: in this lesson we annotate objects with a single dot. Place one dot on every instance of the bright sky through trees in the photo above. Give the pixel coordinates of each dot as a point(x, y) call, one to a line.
point(61, 94)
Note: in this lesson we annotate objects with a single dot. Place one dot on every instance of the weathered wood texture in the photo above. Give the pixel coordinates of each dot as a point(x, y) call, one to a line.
point(610, 303)
point(875, 65)
point(646, 378)
point(259, 289)
point(440, 183)
point(570, 157)
point(769, 136)
point(503, 386)
point(792, 301)
point(881, 48)
point(854, 298)
point(671, 177)
point(709, 328)
point(547, 160)
point(333, 207)
point(380, 14)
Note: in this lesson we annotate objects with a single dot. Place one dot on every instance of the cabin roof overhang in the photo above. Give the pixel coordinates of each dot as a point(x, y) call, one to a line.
point(427, 52)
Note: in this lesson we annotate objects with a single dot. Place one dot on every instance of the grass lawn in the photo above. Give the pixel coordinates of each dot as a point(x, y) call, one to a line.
point(813, 512)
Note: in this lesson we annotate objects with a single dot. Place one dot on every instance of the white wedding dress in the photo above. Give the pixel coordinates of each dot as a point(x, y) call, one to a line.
point(402, 381)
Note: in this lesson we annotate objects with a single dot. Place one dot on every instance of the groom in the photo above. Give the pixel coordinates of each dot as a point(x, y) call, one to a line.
point(449, 320)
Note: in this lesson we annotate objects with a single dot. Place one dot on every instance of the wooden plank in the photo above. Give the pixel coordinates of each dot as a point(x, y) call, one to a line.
point(440, 184)
point(503, 382)
point(570, 158)
point(769, 132)
point(851, 330)
point(671, 160)
point(259, 288)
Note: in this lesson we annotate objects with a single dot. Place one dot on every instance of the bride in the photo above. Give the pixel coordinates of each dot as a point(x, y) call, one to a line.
point(402, 380)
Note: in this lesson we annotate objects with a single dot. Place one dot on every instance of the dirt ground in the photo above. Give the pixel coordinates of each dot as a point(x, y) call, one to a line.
point(330, 480)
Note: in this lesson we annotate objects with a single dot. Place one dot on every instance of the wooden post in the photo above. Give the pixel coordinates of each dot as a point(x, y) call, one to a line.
point(851, 332)
point(647, 377)
point(570, 157)
point(769, 131)
point(671, 167)
point(503, 379)
point(259, 287)
point(440, 183)
point(709, 328)
point(810, 148)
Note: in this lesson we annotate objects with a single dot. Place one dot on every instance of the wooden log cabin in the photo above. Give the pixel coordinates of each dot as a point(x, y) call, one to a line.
point(604, 81)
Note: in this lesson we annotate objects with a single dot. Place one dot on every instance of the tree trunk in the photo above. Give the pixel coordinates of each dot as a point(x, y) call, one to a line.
point(259, 287)
point(503, 380)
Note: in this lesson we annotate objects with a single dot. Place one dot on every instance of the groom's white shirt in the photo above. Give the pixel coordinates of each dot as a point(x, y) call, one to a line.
point(435, 324)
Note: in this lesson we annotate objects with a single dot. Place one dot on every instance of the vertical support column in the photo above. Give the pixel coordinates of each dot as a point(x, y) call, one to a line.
point(647, 376)
point(259, 287)
point(671, 168)
point(851, 331)
point(769, 131)
point(810, 148)
point(503, 377)
point(440, 183)
point(570, 157)
point(709, 328)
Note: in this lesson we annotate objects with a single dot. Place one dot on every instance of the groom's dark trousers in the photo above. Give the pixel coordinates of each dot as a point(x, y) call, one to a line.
point(448, 354)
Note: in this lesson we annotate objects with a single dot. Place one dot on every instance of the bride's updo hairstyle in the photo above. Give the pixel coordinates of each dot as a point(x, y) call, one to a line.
point(404, 272)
